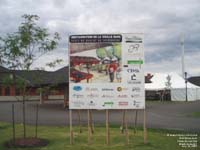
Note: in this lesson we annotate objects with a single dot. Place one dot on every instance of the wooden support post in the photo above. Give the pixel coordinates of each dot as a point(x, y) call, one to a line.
point(107, 128)
point(71, 127)
point(145, 128)
point(36, 121)
point(79, 121)
point(135, 123)
point(126, 128)
point(89, 129)
point(91, 122)
point(13, 121)
point(123, 121)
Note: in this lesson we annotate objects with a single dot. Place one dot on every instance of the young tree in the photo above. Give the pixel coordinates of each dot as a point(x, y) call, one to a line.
point(19, 50)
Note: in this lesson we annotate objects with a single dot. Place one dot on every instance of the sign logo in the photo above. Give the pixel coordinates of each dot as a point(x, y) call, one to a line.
point(123, 103)
point(77, 88)
point(135, 62)
point(123, 96)
point(133, 48)
point(136, 89)
point(107, 96)
point(108, 104)
point(133, 77)
point(107, 89)
point(78, 103)
point(133, 39)
point(136, 104)
point(135, 96)
point(133, 70)
point(91, 103)
point(78, 95)
point(92, 95)
point(91, 89)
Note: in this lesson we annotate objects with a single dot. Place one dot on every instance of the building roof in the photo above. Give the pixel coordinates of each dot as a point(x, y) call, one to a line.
point(195, 80)
point(41, 77)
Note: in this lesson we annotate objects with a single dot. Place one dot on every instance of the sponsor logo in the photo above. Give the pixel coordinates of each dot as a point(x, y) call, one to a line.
point(119, 89)
point(133, 39)
point(136, 104)
point(135, 62)
point(133, 48)
point(108, 104)
point(123, 103)
point(91, 103)
point(77, 88)
point(107, 89)
point(134, 82)
point(107, 96)
point(77, 95)
point(136, 89)
point(133, 76)
point(135, 96)
point(78, 103)
point(133, 70)
point(92, 95)
point(91, 89)
point(122, 96)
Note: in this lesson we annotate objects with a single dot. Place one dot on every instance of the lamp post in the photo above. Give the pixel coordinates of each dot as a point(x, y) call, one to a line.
point(186, 96)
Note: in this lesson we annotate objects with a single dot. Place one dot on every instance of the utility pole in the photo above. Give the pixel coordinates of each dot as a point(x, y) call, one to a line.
point(186, 95)
point(183, 55)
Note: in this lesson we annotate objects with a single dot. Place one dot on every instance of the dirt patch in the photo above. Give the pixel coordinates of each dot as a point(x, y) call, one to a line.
point(27, 142)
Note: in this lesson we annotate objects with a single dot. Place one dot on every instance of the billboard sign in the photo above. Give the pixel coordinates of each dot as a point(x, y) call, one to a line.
point(106, 71)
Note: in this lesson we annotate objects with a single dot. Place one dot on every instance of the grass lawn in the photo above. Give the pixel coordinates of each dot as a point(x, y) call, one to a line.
point(59, 138)
point(194, 114)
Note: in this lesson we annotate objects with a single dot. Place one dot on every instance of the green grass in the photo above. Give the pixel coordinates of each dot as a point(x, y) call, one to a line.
point(59, 138)
point(194, 114)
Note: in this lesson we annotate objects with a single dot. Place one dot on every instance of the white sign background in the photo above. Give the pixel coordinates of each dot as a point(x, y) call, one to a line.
point(129, 94)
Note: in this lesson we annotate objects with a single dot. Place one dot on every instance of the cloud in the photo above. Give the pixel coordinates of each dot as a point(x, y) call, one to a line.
point(162, 23)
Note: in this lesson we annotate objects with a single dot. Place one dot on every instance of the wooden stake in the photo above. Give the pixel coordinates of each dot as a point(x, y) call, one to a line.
point(123, 121)
point(13, 121)
point(135, 124)
point(89, 129)
point(126, 128)
point(79, 121)
point(145, 128)
point(71, 127)
point(91, 122)
point(107, 128)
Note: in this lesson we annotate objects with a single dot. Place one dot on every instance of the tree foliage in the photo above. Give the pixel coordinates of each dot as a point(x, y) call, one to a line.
point(101, 53)
point(22, 48)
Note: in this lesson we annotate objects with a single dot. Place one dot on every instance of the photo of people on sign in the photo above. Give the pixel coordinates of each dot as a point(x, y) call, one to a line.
point(95, 59)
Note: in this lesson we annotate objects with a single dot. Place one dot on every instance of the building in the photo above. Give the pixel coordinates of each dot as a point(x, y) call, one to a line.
point(41, 85)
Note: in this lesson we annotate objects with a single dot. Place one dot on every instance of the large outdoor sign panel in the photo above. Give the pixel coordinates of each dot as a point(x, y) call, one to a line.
point(106, 71)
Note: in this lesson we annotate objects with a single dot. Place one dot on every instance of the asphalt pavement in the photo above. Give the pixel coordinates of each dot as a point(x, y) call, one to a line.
point(165, 115)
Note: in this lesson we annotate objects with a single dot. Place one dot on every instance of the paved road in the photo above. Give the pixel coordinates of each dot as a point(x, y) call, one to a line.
point(168, 115)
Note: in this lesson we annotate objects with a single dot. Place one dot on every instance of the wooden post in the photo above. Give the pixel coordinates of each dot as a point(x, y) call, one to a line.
point(36, 121)
point(91, 122)
point(126, 128)
point(123, 121)
point(79, 121)
point(13, 122)
point(89, 129)
point(135, 124)
point(71, 127)
point(145, 128)
point(107, 128)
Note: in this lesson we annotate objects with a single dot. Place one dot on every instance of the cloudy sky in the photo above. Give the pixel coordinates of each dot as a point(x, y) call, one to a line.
point(161, 21)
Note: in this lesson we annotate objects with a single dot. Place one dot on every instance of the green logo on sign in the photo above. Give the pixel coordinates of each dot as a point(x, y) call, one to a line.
point(135, 62)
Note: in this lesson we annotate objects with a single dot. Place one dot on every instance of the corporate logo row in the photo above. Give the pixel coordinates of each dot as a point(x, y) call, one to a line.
point(106, 104)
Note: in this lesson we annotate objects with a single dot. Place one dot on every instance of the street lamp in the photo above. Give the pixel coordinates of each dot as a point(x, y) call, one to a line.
point(186, 96)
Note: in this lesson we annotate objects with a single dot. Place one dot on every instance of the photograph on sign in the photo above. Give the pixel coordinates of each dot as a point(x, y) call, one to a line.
point(104, 71)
